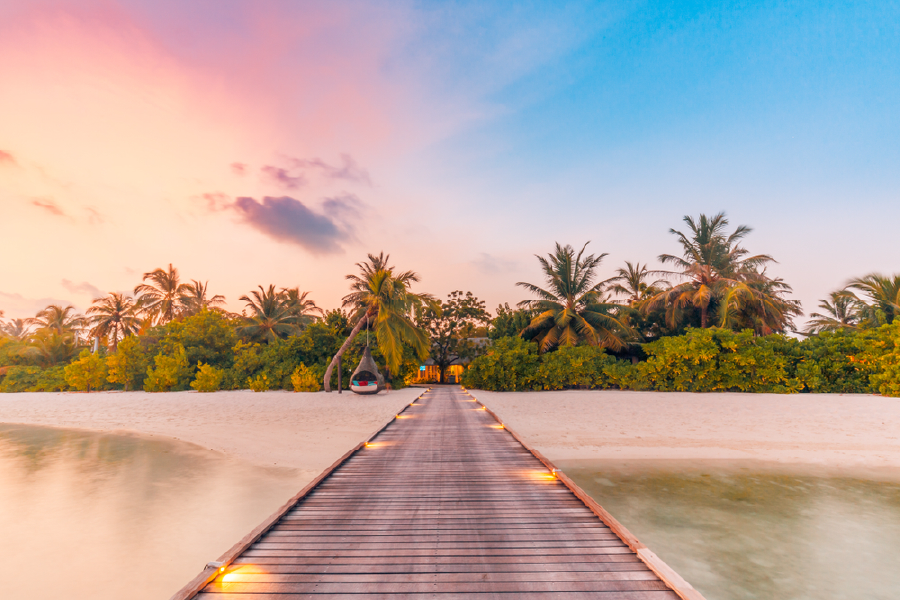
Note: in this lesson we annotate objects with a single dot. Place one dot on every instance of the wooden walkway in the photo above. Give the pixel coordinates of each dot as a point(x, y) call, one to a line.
point(442, 503)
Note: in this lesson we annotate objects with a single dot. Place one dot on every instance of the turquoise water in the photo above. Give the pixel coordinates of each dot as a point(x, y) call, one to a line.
point(741, 533)
point(96, 516)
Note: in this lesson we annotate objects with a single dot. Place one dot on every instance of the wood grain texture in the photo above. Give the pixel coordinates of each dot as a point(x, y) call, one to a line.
point(442, 503)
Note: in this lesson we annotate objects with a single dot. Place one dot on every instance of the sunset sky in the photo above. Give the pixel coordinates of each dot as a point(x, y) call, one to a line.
point(267, 142)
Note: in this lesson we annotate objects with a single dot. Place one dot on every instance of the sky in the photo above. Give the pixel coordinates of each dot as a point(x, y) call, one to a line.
point(279, 142)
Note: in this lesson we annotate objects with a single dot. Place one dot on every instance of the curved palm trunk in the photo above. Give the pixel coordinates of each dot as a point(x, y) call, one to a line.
point(356, 329)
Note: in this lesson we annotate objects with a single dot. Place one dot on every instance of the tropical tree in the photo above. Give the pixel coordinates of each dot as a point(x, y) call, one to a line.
point(303, 311)
point(452, 328)
point(195, 298)
point(884, 294)
point(160, 298)
point(381, 300)
point(17, 329)
point(270, 317)
point(48, 347)
point(59, 320)
point(633, 282)
point(572, 308)
point(840, 311)
point(113, 318)
point(722, 279)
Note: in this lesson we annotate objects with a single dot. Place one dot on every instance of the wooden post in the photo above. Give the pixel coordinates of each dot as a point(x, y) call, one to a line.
point(340, 387)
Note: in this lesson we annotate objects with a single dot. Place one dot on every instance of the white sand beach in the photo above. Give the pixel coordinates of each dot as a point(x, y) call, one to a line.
point(838, 432)
point(303, 431)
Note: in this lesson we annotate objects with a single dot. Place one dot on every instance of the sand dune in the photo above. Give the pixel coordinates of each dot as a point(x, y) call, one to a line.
point(827, 430)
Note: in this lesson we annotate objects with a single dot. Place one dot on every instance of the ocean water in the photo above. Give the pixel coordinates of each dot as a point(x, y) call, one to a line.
point(98, 516)
point(741, 532)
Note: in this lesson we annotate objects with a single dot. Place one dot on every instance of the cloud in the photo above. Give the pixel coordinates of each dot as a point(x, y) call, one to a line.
point(238, 168)
point(348, 171)
point(7, 158)
point(492, 265)
point(48, 205)
point(94, 216)
point(16, 306)
point(289, 220)
point(281, 177)
point(82, 288)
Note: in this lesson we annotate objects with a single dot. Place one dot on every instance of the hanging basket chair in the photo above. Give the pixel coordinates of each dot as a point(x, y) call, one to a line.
point(366, 379)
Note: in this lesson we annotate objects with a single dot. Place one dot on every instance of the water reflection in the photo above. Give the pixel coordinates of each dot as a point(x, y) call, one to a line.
point(88, 515)
point(742, 533)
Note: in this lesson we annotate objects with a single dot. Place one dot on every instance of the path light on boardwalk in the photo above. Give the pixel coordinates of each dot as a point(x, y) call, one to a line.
point(446, 510)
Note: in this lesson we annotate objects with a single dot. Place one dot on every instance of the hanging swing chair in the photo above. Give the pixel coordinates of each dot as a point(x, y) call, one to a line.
point(366, 379)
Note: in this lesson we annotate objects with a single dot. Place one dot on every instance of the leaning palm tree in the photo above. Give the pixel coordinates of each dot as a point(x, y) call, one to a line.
point(114, 317)
point(269, 317)
point(572, 308)
point(195, 298)
point(884, 293)
point(59, 319)
point(381, 300)
point(840, 311)
point(715, 266)
point(303, 311)
point(633, 281)
point(159, 299)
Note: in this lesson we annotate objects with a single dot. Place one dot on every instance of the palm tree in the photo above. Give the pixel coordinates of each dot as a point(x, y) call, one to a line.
point(270, 316)
point(114, 317)
point(381, 300)
point(572, 308)
point(632, 281)
point(302, 311)
point(841, 311)
point(195, 298)
point(884, 292)
point(717, 269)
point(159, 299)
point(15, 328)
point(759, 304)
point(48, 347)
point(58, 319)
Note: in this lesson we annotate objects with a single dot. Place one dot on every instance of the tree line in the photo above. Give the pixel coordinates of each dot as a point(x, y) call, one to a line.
point(714, 283)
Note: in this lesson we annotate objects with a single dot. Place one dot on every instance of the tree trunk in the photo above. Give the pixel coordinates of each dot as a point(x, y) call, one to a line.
point(442, 370)
point(344, 346)
point(703, 317)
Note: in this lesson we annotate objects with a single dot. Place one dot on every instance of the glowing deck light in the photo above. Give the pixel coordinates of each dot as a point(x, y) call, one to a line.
point(553, 473)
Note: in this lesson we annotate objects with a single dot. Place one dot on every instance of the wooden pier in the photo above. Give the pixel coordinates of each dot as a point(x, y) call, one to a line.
point(443, 502)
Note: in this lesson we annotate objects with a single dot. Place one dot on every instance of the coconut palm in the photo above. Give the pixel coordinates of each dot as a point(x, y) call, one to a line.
point(58, 319)
point(48, 347)
point(633, 282)
point(572, 309)
point(15, 328)
point(759, 304)
point(840, 311)
point(717, 268)
point(159, 299)
point(303, 310)
point(269, 317)
point(381, 300)
point(884, 293)
point(114, 317)
point(195, 298)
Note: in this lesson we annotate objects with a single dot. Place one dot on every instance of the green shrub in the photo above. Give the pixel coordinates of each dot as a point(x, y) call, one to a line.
point(87, 373)
point(128, 366)
point(573, 366)
point(886, 378)
point(19, 378)
point(208, 379)
point(260, 383)
point(171, 372)
point(305, 379)
point(52, 379)
point(510, 364)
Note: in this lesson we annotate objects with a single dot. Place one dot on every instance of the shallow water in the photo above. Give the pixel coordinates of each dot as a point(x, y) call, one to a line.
point(100, 516)
point(739, 533)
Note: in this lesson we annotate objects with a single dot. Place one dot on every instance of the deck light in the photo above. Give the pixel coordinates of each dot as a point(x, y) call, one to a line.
point(553, 473)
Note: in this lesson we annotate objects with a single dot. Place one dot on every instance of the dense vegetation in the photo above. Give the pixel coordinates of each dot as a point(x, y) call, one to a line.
point(717, 322)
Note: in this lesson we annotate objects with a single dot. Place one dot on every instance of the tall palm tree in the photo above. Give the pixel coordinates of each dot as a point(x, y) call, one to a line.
point(840, 311)
point(159, 299)
point(58, 319)
point(269, 316)
point(884, 292)
point(195, 298)
point(633, 282)
point(572, 308)
point(717, 268)
point(382, 300)
point(303, 310)
point(114, 317)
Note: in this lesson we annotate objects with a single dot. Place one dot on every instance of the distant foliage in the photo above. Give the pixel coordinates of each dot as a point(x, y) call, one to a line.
point(511, 364)
point(260, 383)
point(170, 373)
point(19, 378)
point(87, 373)
point(208, 379)
point(305, 379)
point(128, 365)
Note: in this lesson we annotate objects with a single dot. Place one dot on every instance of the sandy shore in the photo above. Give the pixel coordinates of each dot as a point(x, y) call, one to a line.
point(842, 432)
point(303, 431)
